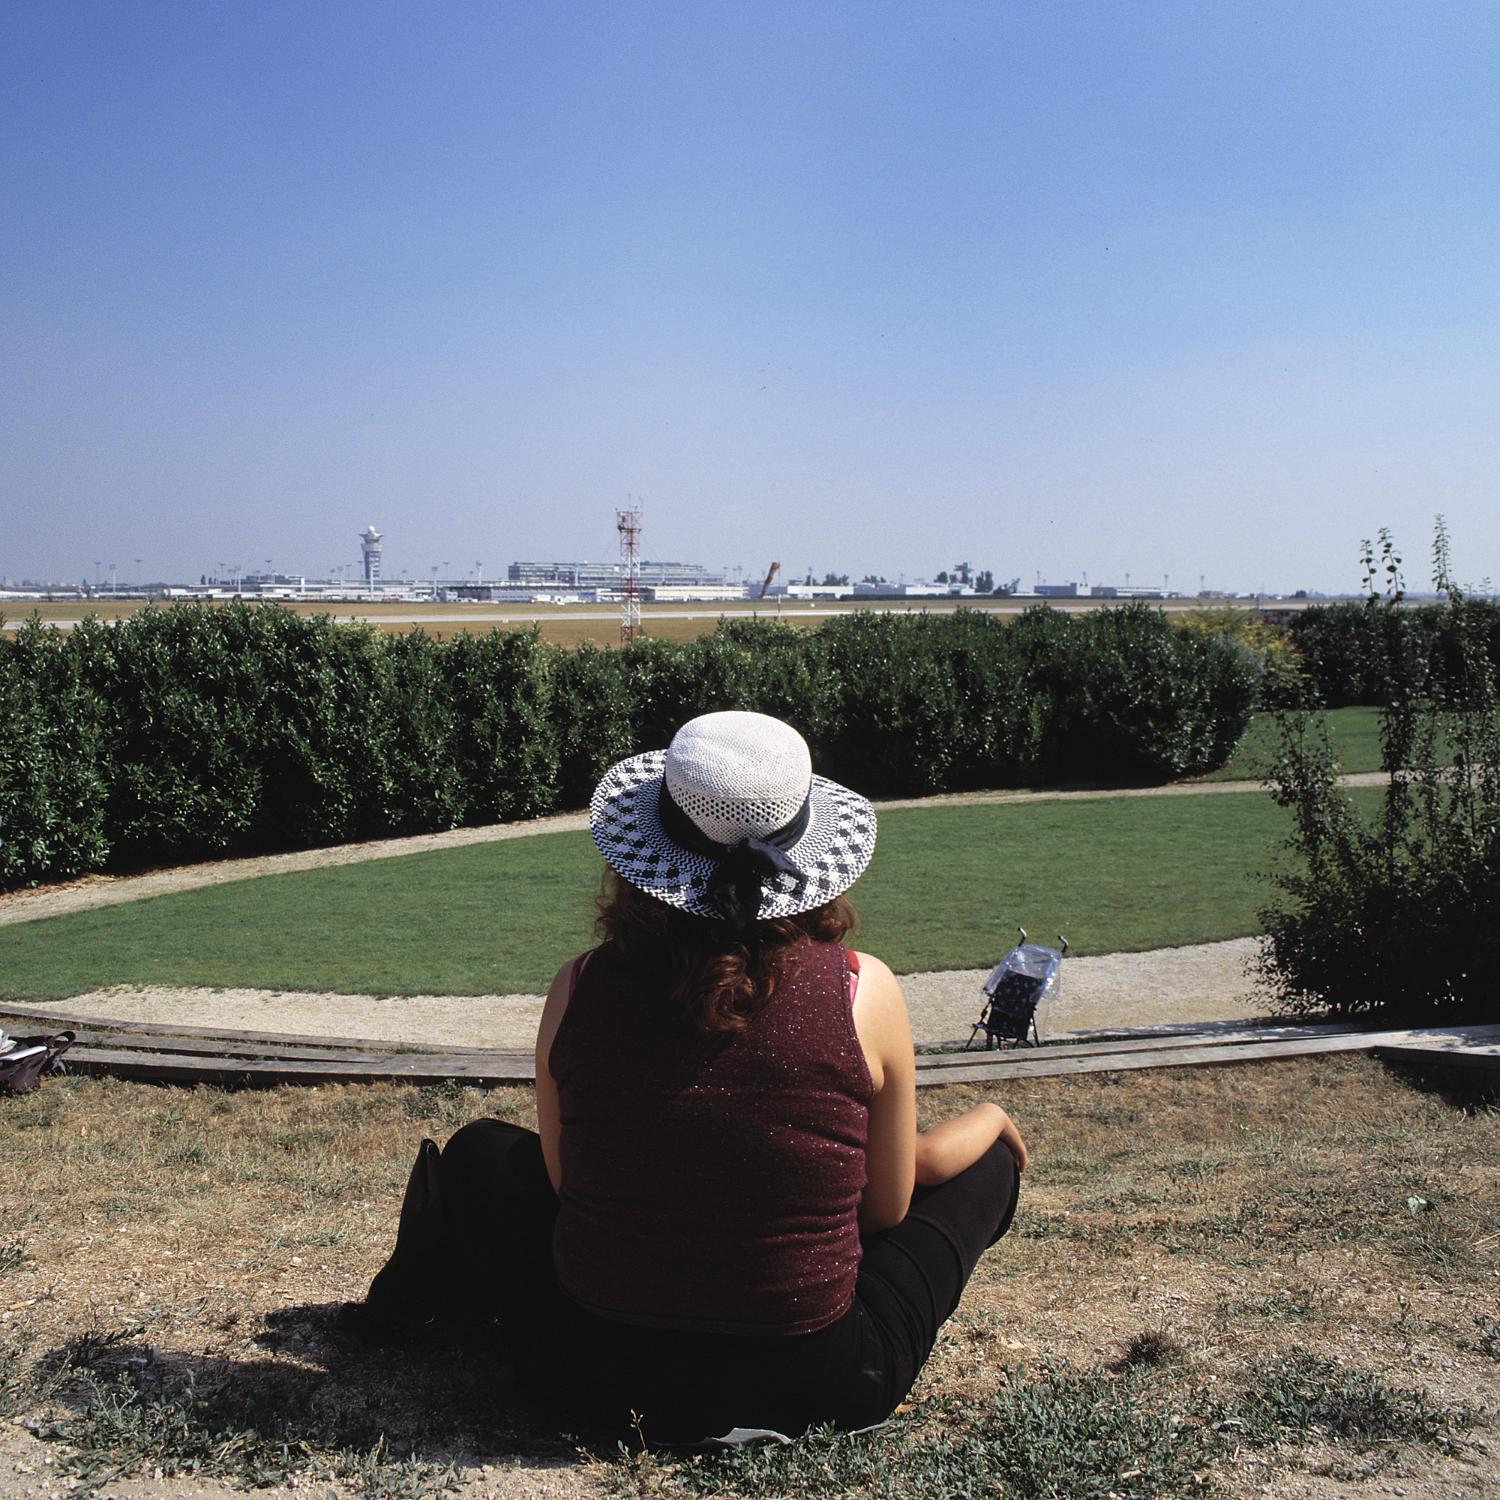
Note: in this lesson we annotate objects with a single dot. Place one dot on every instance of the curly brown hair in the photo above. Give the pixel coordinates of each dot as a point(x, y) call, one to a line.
point(713, 981)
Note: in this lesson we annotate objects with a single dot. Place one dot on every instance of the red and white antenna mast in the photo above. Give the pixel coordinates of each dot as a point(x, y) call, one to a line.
point(628, 524)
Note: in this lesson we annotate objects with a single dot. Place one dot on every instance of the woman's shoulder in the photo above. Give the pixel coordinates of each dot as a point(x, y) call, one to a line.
point(872, 970)
point(880, 1014)
point(559, 996)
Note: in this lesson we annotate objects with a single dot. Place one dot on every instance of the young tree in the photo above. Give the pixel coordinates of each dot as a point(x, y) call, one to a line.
point(1397, 915)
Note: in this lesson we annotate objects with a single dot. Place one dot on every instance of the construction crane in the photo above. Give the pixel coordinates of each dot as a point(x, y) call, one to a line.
point(771, 572)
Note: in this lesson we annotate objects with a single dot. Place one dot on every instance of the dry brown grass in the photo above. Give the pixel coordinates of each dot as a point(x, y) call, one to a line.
point(1233, 1216)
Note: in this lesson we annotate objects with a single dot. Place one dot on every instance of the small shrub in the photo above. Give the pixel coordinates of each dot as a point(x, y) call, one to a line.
point(1152, 1346)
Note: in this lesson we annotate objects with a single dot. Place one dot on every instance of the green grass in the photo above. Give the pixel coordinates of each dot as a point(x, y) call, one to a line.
point(1354, 733)
point(946, 890)
point(1062, 1434)
point(1070, 1434)
point(1306, 1393)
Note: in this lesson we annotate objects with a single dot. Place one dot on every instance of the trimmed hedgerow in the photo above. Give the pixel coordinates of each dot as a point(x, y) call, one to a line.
point(1364, 654)
point(189, 732)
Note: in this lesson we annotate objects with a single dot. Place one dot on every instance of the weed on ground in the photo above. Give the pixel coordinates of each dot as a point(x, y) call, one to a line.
point(1217, 1283)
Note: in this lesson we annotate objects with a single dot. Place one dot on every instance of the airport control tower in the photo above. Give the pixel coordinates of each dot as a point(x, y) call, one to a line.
point(369, 546)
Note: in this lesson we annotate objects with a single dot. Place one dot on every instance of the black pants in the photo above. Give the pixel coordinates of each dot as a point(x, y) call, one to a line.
point(499, 1208)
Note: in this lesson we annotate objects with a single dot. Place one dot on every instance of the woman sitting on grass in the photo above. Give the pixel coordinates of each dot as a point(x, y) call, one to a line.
point(728, 1219)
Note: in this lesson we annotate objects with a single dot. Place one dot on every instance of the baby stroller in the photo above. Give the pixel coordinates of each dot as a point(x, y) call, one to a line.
point(1025, 977)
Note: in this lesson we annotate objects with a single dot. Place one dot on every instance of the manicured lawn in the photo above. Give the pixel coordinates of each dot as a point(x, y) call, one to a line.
point(1354, 733)
point(947, 889)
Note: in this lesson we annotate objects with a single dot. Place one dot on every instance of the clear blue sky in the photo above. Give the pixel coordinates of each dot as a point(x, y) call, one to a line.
point(1198, 289)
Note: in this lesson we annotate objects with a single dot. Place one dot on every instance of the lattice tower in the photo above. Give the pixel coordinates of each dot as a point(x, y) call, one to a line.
point(628, 524)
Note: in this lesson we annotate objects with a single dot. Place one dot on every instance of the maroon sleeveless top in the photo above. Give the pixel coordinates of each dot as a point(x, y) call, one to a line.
point(712, 1183)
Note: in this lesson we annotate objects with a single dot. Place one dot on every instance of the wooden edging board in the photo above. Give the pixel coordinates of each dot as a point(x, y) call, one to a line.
point(495, 1068)
point(64, 1020)
point(215, 1055)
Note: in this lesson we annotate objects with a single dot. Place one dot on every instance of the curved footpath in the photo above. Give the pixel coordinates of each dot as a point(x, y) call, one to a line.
point(1171, 986)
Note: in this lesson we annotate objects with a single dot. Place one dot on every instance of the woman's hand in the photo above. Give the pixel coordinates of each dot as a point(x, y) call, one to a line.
point(955, 1145)
point(1012, 1138)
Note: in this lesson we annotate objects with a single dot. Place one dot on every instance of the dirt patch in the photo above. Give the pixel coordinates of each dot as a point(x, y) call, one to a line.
point(1171, 986)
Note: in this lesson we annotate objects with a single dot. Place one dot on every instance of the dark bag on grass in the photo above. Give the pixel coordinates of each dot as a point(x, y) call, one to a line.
point(30, 1059)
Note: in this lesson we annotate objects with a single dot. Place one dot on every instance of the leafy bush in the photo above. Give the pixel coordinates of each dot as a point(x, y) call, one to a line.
point(1375, 652)
point(1278, 662)
point(1399, 916)
point(893, 715)
point(591, 712)
point(1122, 695)
point(52, 789)
point(179, 693)
point(319, 724)
point(505, 745)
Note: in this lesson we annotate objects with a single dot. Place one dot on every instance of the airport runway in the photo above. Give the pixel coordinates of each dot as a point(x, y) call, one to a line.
point(483, 614)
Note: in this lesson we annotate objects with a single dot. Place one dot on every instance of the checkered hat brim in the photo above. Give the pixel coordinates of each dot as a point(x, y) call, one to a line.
point(625, 820)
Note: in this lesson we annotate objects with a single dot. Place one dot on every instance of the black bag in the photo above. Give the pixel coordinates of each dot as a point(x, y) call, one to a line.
point(31, 1059)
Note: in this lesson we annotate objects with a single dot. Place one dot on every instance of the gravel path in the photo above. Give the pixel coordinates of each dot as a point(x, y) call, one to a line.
point(1171, 986)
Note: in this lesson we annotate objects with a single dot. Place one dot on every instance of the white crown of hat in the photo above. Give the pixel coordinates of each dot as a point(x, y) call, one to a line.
point(735, 773)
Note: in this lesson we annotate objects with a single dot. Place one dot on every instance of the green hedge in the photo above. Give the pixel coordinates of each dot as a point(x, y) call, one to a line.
point(189, 732)
point(1364, 654)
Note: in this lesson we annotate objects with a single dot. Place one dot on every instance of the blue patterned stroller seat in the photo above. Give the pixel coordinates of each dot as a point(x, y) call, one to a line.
point(1026, 976)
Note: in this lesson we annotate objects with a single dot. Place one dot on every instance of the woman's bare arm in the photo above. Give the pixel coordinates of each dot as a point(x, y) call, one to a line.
point(884, 1031)
point(548, 1125)
point(899, 1157)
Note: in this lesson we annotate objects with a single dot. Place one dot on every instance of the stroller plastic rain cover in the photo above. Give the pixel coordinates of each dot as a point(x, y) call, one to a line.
point(1027, 975)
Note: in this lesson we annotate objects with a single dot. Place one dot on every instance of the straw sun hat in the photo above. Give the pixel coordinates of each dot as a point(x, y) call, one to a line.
point(729, 822)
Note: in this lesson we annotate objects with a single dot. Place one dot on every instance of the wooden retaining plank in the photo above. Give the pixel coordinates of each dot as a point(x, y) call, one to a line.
point(497, 1067)
point(1037, 1064)
point(1477, 1057)
point(1138, 1043)
point(62, 1020)
point(185, 1046)
point(154, 1035)
point(193, 1068)
point(201, 1054)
